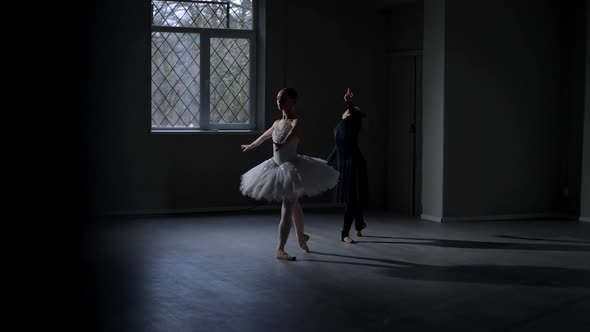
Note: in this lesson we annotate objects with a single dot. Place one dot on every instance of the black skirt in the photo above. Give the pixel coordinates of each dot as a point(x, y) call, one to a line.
point(353, 182)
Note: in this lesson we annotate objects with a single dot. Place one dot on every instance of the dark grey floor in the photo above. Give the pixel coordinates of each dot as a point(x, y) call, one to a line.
point(218, 273)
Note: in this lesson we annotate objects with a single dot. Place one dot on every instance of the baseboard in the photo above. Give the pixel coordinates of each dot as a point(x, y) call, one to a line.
point(526, 216)
point(221, 209)
point(585, 219)
point(431, 218)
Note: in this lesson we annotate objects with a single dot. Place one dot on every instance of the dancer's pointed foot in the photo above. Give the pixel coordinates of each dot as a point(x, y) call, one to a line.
point(304, 244)
point(281, 254)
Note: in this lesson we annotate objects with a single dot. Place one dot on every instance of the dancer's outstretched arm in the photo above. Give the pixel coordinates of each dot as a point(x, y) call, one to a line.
point(266, 135)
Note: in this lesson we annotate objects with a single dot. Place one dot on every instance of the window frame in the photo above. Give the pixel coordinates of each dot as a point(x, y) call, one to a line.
point(205, 36)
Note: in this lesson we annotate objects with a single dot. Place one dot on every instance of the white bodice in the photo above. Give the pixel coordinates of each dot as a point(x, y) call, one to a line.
point(286, 152)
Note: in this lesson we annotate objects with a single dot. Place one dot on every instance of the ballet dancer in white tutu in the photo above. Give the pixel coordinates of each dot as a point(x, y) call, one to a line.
point(287, 175)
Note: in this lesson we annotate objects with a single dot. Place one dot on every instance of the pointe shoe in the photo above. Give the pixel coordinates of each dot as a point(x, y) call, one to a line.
point(304, 244)
point(281, 254)
point(347, 239)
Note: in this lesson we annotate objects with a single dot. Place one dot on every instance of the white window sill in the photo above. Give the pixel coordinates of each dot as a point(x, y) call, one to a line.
point(205, 131)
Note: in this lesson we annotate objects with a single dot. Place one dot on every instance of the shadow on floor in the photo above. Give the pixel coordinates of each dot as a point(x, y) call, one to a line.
point(488, 274)
point(477, 244)
point(538, 239)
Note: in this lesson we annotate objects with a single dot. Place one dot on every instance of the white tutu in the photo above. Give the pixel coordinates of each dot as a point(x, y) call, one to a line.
point(303, 175)
point(288, 175)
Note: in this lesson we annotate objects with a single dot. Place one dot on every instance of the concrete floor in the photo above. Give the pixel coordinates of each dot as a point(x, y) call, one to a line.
point(218, 273)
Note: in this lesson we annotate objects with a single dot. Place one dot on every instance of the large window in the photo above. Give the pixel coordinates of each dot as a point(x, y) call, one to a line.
point(203, 65)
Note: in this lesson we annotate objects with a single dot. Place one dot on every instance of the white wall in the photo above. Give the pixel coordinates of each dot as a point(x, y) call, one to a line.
point(433, 109)
point(585, 197)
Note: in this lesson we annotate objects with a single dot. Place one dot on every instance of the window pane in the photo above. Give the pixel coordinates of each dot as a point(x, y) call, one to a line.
point(175, 80)
point(241, 14)
point(230, 81)
point(234, 14)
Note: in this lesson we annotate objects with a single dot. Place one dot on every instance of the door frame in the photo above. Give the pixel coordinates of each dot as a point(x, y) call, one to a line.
point(415, 208)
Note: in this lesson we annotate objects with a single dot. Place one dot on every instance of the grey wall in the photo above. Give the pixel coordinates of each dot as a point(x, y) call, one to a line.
point(433, 108)
point(512, 105)
point(405, 61)
point(320, 49)
point(330, 48)
point(500, 88)
point(585, 197)
point(407, 27)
